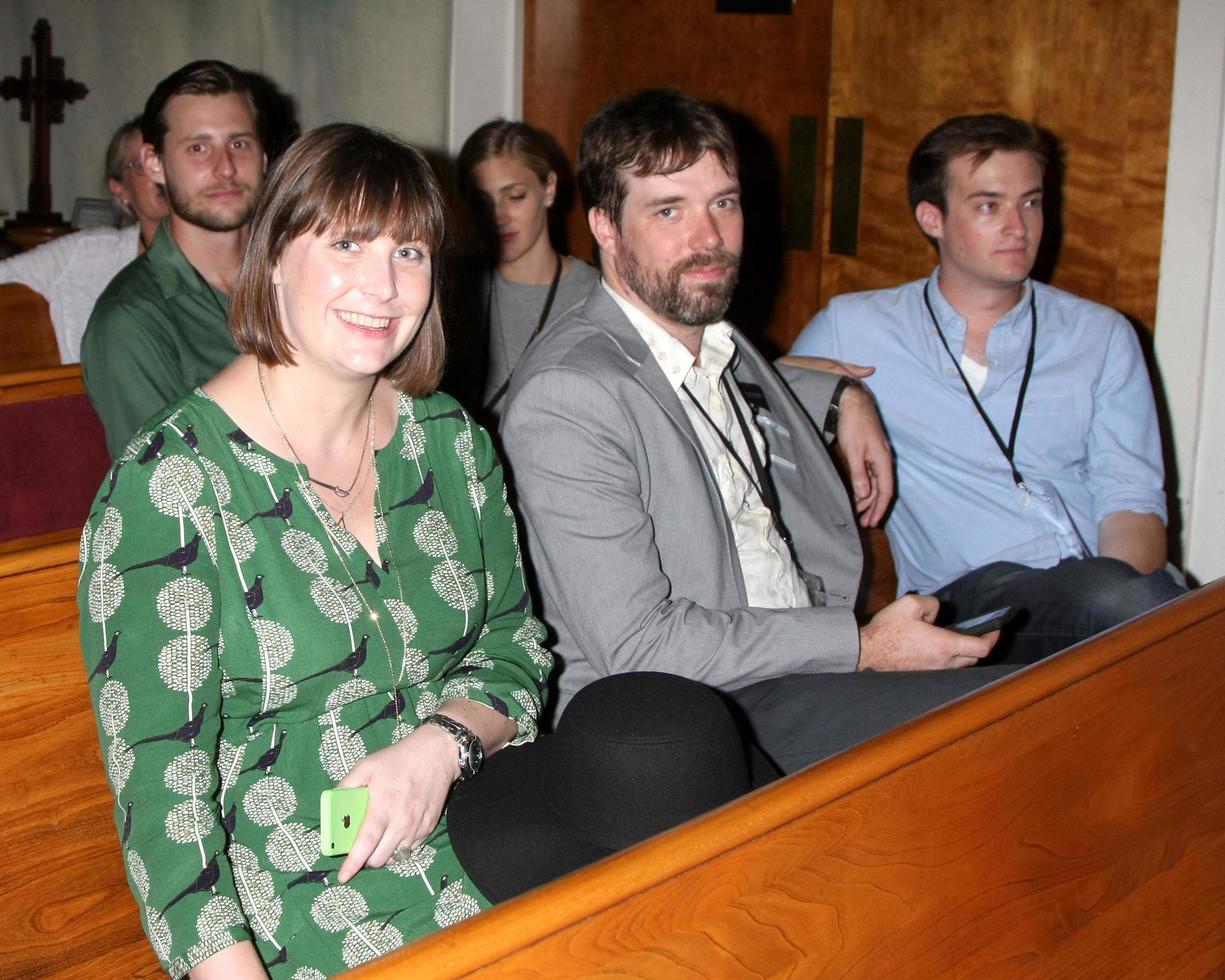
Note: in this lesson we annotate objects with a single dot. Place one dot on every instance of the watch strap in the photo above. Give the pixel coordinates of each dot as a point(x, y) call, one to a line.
point(471, 750)
point(830, 429)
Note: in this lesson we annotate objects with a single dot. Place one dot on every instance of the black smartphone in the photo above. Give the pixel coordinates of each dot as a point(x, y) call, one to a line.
point(985, 623)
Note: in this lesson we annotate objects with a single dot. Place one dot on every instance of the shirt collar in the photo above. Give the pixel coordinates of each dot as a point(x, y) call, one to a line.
point(174, 273)
point(674, 358)
point(953, 322)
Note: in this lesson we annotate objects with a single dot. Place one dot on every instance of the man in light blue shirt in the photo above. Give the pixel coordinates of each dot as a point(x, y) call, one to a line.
point(1021, 416)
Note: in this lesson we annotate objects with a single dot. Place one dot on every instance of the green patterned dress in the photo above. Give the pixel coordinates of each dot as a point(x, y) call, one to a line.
point(237, 669)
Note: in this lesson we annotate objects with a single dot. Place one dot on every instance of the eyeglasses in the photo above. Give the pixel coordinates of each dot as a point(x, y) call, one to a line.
point(134, 166)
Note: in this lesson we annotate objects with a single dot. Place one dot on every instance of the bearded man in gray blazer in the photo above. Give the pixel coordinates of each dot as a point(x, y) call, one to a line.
point(681, 509)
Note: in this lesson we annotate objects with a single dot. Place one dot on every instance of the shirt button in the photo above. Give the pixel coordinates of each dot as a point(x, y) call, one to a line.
point(950, 372)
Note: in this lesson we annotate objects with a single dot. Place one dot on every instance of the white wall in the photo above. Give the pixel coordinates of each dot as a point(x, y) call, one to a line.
point(1190, 328)
point(486, 65)
point(380, 62)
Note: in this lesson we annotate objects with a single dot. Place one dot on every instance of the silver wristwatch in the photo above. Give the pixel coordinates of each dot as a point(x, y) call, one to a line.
point(471, 751)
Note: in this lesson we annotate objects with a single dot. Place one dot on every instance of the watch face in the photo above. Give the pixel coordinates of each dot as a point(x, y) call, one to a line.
point(471, 757)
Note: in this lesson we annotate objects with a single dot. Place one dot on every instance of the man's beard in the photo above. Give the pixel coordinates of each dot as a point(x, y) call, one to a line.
point(694, 304)
point(220, 219)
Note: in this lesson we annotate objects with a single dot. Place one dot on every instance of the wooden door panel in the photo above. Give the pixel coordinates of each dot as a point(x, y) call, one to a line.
point(765, 68)
point(1098, 74)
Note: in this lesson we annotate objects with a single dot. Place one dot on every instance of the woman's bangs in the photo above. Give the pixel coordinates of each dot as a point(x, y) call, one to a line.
point(372, 205)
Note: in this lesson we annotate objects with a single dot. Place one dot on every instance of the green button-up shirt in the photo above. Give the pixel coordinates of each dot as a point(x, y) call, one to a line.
point(158, 330)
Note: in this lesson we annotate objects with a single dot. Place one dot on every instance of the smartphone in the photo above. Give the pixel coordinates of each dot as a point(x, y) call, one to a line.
point(985, 623)
point(341, 812)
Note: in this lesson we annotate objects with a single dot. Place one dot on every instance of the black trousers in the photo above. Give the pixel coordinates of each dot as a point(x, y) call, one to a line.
point(802, 718)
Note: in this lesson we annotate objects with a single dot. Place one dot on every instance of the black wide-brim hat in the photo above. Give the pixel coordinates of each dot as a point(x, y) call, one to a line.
point(633, 755)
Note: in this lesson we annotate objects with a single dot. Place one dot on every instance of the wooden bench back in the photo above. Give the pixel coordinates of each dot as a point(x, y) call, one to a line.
point(1068, 821)
point(68, 909)
point(25, 324)
point(55, 455)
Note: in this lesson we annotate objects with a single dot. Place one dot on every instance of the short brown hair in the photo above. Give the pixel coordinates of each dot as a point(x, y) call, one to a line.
point(927, 177)
point(208, 77)
point(362, 184)
point(532, 147)
point(658, 131)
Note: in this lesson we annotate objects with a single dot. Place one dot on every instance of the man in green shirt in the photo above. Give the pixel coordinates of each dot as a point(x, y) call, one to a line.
point(160, 327)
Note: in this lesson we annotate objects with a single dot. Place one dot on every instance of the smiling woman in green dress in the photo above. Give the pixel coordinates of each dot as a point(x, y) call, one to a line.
point(306, 574)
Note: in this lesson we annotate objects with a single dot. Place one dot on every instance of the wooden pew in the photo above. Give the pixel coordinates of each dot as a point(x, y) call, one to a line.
point(1066, 822)
point(26, 328)
point(1069, 821)
point(68, 909)
point(54, 453)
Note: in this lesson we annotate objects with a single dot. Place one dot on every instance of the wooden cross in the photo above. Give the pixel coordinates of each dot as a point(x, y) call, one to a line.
point(43, 91)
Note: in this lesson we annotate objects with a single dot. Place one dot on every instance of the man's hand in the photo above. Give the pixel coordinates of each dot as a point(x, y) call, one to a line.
point(901, 637)
point(866, 449)
point(827, 364)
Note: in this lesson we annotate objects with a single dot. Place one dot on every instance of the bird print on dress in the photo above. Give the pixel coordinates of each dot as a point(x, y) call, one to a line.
point(422, 496)
point(392, 710)
point(184, 733)
point(114, 478)
point(268, 759)
point(153, 449)
point(204, 882)
point(180, 558)
point(127, 823)
point(370, 578)
point(352, 662)
point(254, 596)
point(219, 784)
point(283, 509)
point(107, 660)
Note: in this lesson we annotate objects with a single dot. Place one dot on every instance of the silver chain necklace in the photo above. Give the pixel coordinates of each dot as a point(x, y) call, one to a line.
point(411, 856)
point(339, 491)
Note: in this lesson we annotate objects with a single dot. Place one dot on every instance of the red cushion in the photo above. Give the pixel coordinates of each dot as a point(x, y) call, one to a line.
point(52, 459)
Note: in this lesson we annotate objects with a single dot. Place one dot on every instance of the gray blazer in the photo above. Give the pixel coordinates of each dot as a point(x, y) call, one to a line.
point(633, 554)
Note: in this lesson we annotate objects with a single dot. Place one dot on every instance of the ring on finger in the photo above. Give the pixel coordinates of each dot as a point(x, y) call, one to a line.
point(403, 852)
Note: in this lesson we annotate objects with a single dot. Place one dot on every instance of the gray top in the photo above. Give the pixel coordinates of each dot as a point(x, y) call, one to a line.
point(514, 311)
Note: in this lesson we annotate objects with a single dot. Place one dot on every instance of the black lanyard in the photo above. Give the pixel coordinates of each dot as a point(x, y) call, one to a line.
point(1007, 450)
point(544, 316)
point(758, 477)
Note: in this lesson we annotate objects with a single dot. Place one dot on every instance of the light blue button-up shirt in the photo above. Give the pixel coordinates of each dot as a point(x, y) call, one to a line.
point(1088, 434)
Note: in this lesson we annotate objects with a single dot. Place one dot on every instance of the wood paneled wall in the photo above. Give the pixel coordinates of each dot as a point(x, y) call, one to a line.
point(1097, 74)
point(764, 68)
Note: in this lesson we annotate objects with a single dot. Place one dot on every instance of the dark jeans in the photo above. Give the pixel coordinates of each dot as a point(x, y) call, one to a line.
point(802, 718)
point(1056, 607)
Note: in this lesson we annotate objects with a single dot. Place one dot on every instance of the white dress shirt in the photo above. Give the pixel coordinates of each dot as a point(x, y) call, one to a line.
point(771, 579)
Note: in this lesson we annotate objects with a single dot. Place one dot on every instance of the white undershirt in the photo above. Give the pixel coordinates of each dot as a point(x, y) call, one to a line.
point(771, 579)
point(976, 374)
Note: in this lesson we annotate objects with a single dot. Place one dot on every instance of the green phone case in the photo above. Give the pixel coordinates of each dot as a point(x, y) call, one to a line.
point(340, 817)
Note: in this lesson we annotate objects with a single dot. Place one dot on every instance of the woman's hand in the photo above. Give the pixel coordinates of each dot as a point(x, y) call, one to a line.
point(408, 784)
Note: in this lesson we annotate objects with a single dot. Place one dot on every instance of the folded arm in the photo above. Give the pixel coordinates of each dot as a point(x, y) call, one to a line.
point(859, 433)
